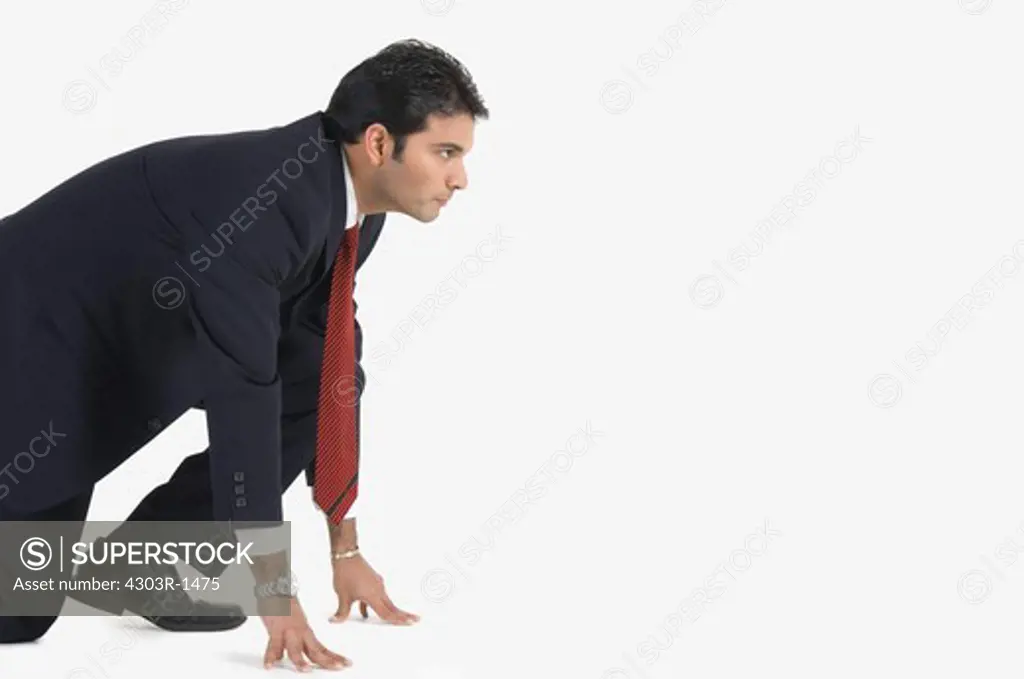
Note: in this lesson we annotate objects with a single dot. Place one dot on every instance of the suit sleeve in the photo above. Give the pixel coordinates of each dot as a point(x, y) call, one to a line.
point(236, 316)
point(309, 336)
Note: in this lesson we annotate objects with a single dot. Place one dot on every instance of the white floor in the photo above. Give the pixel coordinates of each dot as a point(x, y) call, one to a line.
point(109, 648)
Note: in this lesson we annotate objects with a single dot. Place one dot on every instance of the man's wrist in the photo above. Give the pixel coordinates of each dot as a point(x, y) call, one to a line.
point(269, 567)
point(343, 536)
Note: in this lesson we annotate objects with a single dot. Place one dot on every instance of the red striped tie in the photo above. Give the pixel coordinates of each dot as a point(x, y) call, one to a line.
point(336, 474)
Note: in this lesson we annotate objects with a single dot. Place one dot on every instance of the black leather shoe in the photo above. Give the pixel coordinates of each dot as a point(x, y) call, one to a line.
point(168, 609)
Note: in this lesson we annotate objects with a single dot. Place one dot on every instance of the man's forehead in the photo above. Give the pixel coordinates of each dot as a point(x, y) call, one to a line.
point(441, 129)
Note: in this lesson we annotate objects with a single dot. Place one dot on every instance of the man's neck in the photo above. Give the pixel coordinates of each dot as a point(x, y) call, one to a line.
point(357, 184)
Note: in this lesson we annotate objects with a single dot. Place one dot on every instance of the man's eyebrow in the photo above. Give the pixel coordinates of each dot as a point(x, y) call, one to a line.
point(449, 145)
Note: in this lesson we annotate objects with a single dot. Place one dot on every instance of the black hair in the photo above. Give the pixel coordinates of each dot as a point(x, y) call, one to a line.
point(399, 87)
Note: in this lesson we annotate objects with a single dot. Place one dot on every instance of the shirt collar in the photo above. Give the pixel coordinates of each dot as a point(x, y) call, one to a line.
point(351, 214)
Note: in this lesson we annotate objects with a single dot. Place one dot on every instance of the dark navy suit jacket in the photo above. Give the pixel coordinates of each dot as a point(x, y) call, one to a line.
point(190, 272)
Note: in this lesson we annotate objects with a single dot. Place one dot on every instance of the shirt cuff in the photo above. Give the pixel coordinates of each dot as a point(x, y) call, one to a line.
point(351, 514)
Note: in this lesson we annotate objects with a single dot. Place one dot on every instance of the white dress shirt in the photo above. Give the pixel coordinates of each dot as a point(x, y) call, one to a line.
point(351, 208)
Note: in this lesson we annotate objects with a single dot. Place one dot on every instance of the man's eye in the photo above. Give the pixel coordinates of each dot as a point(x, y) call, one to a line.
point(444, 151)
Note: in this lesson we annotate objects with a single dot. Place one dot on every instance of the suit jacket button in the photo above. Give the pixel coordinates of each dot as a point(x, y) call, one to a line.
point(240, 502)
point(154, 424)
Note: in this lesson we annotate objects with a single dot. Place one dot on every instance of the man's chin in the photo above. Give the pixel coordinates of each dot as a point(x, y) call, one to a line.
point(426, 216)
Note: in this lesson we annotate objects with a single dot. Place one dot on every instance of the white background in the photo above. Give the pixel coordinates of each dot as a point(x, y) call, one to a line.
point(782, 395)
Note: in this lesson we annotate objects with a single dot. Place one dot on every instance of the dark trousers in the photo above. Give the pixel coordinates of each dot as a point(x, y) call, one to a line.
point(186, 496)
point(29, 628)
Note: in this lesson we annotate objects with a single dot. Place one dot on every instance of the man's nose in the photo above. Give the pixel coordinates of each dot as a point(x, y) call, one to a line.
point(459, 181)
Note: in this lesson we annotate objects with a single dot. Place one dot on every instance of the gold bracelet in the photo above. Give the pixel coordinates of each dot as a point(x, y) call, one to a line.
point(344, 555)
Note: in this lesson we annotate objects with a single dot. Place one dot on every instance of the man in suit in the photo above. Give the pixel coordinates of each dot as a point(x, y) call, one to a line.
point(197, 272)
